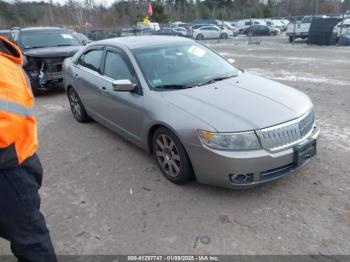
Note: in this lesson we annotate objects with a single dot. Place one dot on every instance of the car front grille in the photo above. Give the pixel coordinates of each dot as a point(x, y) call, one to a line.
point(54, 76)
point(54, 64)
point(287, 134)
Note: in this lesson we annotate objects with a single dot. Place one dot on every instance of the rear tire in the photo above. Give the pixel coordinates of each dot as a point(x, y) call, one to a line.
point(199, 37)
point(171, 157)
point(77, 107)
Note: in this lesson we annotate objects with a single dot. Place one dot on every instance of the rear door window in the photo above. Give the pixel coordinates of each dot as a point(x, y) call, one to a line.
point(91, 59)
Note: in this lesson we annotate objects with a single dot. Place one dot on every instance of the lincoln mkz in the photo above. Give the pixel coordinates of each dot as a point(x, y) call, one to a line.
point(198, 114)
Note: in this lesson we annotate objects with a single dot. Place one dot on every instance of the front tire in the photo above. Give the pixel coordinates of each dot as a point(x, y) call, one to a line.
point(171, 157)
point(34, 85)
point(77, 107)
point(224, 36)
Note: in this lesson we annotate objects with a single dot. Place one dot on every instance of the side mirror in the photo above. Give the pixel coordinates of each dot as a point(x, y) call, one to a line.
point(83, 42)
point(231, 60)
point(123, 85)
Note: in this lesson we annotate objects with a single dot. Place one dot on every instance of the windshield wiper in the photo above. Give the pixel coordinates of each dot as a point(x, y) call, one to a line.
point(215, 79)
point(64, 45)
point(33, 47)
point(172, 86)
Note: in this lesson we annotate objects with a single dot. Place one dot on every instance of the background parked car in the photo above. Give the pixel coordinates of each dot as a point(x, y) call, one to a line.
point(5, 33)
point(167, 31)
point(145, 31)
point(83, 39)
point(206, 21)
point(275, 24)
point(127, 32)
point(344, 25)
point(179, 24)
point(285, 23)
point(344, 40)
point(246, 23)
point(44, 50)
point(98, 34)
point(261, 30)
point(196, 26)
point(211, 32)
point(180, 30)
point(229, 26)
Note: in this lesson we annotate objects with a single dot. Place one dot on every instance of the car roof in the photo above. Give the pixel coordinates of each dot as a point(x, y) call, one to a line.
point(134, 42)
point(208, 26)
point(42, 28)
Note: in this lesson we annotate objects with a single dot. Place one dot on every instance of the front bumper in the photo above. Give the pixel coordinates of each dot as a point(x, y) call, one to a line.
point(216, 167)
point(46, 78)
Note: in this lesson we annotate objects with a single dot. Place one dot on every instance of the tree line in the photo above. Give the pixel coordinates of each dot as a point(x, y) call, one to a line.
point(88, 14)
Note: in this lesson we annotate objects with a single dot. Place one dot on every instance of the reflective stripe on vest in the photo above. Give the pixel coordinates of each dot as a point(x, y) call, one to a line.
point(15, 108)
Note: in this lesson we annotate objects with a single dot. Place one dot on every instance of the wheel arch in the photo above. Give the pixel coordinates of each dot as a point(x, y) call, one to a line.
point(152, 129)
point(150, 135)
point(68, 88)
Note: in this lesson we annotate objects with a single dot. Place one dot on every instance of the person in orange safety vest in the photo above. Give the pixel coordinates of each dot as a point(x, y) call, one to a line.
point(21, 221)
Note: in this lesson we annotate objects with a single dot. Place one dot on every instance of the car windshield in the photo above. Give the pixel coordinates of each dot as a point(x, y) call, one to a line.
point(182, 66)
point(47, 38)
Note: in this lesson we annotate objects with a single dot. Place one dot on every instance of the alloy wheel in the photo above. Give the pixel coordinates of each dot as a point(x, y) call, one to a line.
point(75, 105)
point(168, 155)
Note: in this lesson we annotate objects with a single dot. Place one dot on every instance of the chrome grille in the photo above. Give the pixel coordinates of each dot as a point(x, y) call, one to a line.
point(54, 75)
point(286, 134)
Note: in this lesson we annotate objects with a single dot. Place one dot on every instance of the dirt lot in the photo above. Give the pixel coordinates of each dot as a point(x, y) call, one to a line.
point(103, 195)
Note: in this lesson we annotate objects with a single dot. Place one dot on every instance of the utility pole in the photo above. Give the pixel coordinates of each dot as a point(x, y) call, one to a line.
point(316, 8)
point(52, 20)
point(342, 23)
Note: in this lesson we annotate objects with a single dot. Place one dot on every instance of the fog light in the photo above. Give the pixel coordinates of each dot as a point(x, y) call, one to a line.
point(241, 178)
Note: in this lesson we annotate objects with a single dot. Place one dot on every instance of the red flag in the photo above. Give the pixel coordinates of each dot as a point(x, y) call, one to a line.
point(150, 9)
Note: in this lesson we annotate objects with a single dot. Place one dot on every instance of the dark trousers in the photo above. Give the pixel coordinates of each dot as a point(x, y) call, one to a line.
point(21, 222)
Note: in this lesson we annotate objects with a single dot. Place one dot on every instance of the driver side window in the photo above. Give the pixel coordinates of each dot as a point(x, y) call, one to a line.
point(116, 68)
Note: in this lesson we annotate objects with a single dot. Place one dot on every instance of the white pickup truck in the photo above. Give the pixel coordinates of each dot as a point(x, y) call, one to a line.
point(299, 29)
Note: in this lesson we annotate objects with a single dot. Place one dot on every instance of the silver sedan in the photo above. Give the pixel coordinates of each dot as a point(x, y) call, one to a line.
point(201, 117)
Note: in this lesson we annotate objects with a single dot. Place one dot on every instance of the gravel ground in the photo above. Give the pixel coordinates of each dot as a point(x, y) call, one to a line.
point(103, 195)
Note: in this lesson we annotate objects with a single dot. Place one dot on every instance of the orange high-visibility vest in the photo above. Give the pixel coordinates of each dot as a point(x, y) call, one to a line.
point(18, 130)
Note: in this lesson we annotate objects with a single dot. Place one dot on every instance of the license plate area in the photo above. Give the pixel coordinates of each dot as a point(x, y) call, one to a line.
point(304, 152)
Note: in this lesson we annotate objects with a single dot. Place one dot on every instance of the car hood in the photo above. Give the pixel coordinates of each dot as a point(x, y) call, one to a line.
point(60, 51)
point(246, 102)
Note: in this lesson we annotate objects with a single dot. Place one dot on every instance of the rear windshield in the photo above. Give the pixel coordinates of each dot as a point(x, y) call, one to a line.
point(47, 38)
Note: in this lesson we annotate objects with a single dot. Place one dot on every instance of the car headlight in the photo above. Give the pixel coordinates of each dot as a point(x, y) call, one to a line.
point(230, 141)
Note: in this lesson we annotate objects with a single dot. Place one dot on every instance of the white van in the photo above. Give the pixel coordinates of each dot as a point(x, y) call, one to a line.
point(152, 25)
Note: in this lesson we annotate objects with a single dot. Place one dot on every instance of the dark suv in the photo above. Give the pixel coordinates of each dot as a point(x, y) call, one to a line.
point(44, 50)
